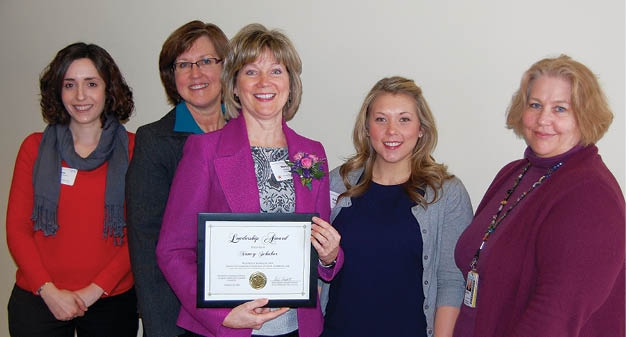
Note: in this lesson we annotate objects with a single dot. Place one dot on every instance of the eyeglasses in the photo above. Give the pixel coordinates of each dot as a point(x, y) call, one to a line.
point(206, 63)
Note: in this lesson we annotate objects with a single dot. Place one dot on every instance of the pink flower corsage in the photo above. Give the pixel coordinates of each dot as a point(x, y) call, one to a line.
point(307, 166)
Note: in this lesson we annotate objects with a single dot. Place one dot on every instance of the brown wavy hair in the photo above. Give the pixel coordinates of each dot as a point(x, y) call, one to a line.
point(118, 95)
point(181, 40)
point(588, 102)
point(425, 171)
point(248, 44)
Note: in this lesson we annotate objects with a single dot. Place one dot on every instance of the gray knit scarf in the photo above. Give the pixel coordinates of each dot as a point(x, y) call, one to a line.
point(57, 144)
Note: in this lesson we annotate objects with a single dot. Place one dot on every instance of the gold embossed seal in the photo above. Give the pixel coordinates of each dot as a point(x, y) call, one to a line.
point(257, 280)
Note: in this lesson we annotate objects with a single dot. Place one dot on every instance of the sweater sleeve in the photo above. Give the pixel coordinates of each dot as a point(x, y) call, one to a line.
point(580, 253)
point(458, 215)
point(20, 233)
point(323, 208)
point(115, 271)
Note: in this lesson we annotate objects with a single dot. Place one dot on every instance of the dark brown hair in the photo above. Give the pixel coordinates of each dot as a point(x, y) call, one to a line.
point(118, 95)
point(181, 40)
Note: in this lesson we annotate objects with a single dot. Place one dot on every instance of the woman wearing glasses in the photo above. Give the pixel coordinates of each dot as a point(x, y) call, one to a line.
point(231, 171)
point(190, 65)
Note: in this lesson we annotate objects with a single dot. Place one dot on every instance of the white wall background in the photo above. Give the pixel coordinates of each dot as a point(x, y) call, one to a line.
point(468, 57)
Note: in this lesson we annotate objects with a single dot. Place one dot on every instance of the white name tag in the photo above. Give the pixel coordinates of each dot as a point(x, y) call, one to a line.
point(281, 170)
point(68, 175)
point(334, 197)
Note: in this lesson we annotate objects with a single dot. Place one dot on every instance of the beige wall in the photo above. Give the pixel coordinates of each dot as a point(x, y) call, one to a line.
point(467, 55)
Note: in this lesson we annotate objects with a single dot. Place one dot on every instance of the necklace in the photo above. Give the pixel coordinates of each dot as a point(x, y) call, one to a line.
point(471, 285)
point(498, 217)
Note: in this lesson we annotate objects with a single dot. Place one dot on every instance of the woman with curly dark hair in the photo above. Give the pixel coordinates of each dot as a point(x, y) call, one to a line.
point(65, 218)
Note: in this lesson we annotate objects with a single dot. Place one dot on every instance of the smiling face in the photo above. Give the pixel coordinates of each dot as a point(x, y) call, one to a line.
point(200, 87)
point(263, 87)
point(549, 124)
point(393, 128)
point(83, 93)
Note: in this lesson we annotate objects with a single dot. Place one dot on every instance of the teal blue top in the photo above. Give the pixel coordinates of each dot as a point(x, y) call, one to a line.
point(184, 122)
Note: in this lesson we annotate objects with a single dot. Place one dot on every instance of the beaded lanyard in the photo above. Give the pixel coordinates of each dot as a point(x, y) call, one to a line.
point(497, 218)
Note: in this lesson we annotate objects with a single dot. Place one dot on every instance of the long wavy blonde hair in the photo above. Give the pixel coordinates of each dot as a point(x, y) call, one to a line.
point(425, 171)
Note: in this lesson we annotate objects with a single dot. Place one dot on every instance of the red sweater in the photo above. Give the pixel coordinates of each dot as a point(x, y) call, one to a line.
point(77, 254)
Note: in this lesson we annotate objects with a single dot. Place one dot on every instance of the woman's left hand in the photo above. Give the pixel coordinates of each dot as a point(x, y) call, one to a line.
point(325, 239)
point(251, 315)
point(90, 294)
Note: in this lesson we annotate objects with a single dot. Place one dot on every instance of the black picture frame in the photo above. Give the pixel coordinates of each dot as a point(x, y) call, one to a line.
point(308, 296)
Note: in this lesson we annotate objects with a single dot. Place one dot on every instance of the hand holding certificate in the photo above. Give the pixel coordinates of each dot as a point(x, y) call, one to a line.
point(242, 257)
point(325, 239)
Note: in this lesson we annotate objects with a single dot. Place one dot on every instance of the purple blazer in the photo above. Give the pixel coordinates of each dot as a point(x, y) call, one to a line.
point(216, 174)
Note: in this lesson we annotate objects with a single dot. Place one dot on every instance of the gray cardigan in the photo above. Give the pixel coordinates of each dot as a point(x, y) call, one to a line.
point(441, 224)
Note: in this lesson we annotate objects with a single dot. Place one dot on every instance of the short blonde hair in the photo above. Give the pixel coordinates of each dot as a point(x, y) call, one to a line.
point(246, 46)
point(588, 101)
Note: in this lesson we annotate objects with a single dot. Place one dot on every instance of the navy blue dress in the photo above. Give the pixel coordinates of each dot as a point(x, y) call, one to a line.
point(378, 292)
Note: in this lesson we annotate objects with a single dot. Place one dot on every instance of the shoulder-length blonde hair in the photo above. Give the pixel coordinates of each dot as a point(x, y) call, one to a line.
point(425, 171)
point(588, 101)
point(245, 47)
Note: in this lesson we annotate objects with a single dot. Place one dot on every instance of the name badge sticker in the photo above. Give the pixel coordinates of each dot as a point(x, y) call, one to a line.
point(333, 198)
point(281, 170)
point(68, 175)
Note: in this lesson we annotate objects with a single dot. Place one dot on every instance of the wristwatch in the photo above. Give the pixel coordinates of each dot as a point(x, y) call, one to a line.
point(330, 265)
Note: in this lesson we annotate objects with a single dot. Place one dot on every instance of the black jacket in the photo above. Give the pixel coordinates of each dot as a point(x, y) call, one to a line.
point(157, 152)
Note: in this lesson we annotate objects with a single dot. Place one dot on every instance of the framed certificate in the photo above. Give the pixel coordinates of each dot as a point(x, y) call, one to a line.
point(245, 256)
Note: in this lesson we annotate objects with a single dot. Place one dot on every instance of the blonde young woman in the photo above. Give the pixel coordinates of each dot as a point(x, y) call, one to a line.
point(399, 214)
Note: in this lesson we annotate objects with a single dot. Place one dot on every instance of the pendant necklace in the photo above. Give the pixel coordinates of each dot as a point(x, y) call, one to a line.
point(471, 284)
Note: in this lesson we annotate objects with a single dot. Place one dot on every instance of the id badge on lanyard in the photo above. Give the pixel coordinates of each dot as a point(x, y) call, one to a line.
point(471, 289)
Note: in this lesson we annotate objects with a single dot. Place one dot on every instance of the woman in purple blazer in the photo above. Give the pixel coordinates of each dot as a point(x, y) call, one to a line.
point(230, 171)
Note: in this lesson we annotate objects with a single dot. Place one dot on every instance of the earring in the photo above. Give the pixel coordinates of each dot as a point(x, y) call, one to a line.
point(236, 98)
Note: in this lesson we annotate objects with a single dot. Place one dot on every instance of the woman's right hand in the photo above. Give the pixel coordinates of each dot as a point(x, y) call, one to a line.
point(64, 304)
point(251, 315)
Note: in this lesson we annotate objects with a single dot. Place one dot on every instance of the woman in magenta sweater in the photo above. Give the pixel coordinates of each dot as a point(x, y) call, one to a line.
point(65, 218)
point(230, 171)
point(545, 253)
